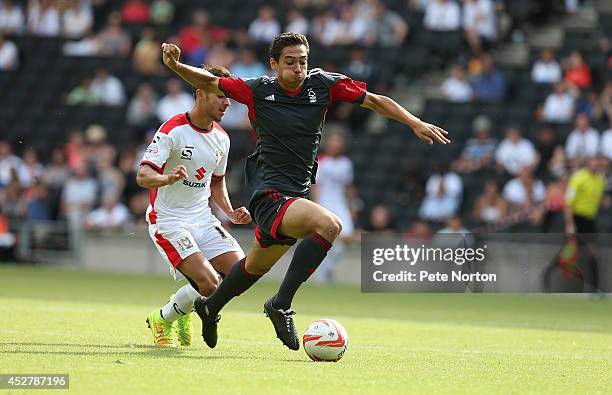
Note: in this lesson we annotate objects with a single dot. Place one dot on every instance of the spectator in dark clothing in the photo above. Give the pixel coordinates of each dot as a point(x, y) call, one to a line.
point(545, 144)
point(490, 85)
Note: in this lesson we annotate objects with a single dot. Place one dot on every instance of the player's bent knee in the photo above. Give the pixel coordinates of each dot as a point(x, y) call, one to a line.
point(329, 226)
point(339, 224)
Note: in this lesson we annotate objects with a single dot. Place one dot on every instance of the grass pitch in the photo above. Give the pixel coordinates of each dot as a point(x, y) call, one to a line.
point(92, 326)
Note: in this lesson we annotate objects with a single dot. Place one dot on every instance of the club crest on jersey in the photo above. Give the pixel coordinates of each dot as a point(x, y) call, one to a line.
point(187, 152)
point(312, 96)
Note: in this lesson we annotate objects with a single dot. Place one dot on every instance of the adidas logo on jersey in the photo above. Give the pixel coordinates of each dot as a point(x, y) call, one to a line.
point(270, 98)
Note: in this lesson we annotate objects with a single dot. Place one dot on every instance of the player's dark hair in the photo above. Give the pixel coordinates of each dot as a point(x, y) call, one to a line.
point(217, 71)
point(286, 40)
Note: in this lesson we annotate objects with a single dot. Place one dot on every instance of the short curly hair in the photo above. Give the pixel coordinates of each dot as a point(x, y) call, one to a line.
point(286, 40)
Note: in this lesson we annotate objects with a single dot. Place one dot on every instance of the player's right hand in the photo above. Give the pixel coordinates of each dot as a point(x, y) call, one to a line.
point(177, 173)
point(170, 54)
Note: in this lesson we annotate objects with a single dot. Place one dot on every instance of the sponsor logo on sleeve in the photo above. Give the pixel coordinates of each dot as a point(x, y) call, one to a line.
point(151, 150)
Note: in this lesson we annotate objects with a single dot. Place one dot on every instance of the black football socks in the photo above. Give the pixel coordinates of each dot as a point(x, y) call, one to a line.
point(236, 282)
point(306, 259)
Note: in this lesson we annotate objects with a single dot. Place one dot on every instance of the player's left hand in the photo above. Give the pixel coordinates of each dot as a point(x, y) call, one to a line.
point(430, 133)
point(240, 216)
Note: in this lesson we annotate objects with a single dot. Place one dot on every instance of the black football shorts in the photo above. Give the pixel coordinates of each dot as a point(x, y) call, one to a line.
point(267, 208)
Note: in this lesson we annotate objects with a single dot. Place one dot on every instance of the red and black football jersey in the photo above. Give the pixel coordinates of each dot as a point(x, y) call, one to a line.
point(289, 125)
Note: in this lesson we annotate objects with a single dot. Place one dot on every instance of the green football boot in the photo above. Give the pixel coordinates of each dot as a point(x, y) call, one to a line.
point(183, 326)
point(184, 329)
point(161, 329)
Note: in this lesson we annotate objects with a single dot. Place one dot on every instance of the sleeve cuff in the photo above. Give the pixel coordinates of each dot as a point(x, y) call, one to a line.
point(153, 165)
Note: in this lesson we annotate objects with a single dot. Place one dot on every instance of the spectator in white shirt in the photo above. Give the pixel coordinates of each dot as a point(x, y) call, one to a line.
point(114, 40)
point(77, 20)
point(111, 215)
point(87, 46)
point(107, 89)
point(9, 55)
point(442, 16)
point(142, 107)
point(9, 163)
point(479, 23)
point(453, 235)
point(546, 70)
point(43, 18)
point(236, 117)
point(265, 27)
point(572, 6)
point(175, 102)
point(444, 191)
point(296, 22)
point(606, 144)
point(326, 28)
point(11, 17)
point(515, 152)
point(456, 88)
point(390, 28)
point(30, 170)
point(583, 142)
point(523, 191)
point(79, 194)
point(351, 28)
point(559, 105)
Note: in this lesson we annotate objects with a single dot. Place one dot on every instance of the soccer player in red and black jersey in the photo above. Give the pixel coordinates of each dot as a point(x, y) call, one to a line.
point(287, 112)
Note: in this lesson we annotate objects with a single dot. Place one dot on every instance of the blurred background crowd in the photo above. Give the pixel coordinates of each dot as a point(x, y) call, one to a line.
point(523, 87)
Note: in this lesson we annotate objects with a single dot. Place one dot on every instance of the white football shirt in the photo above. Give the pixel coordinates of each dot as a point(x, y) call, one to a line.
point(203, 152)
point(334, 175)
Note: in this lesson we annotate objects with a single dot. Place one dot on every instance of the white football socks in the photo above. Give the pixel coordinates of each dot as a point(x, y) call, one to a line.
point(180, 304)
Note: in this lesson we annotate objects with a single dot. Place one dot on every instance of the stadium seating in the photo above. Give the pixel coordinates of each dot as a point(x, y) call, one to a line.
point(35, 111)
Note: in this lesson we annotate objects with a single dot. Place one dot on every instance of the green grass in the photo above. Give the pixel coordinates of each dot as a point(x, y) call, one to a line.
point(92, 326)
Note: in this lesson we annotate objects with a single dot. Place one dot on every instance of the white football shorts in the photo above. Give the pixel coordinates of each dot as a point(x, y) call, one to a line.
point(175, 241)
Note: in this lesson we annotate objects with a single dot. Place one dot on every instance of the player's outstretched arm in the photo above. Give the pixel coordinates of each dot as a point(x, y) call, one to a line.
point(219, 195)
point(148, 177)
point(389, 108)
point(196, 77)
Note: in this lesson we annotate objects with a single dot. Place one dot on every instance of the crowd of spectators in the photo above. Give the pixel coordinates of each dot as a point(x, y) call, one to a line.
point(88, 182)
point(523, 182)
point(85, 182)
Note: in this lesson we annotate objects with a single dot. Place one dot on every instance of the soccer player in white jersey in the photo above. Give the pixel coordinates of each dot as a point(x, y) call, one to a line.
point(334, 191)
point(183, 167)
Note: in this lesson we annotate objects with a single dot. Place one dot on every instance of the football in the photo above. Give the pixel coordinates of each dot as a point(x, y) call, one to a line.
point(325, 340)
